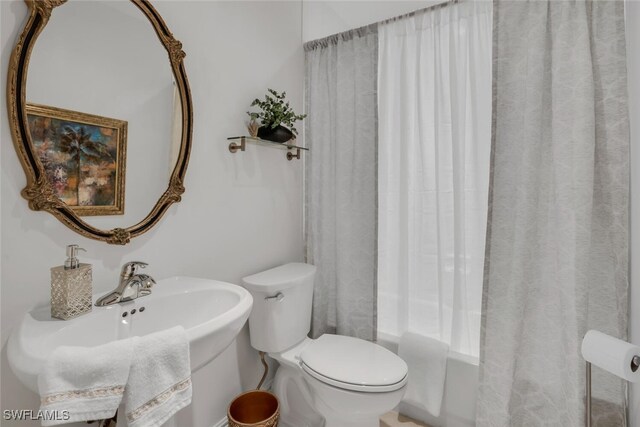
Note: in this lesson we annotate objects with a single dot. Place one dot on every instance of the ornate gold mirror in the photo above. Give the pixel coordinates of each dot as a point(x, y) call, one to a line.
point(101, 120)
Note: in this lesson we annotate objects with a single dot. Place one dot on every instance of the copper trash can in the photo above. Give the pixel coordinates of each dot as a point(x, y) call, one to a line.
point(254, 408)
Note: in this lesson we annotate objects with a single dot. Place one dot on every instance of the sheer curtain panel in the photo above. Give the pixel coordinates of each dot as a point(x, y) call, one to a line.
point(341, 187)
point(434, 147)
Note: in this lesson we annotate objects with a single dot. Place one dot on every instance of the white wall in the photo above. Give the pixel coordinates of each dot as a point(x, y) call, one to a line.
point(633, 60)
point(241, 213)
point(323, 18)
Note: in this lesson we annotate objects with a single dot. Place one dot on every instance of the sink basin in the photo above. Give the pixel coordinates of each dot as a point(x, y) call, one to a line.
point(211, 312)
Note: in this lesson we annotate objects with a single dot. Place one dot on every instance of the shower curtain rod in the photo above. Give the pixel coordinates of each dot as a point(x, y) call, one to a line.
point(361, 31)
point(419, 11)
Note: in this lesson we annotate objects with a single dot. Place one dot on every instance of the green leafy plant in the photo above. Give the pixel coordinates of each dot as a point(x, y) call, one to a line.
point(276, 111)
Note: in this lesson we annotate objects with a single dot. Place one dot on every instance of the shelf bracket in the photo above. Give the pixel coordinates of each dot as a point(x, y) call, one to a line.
point(233, 147)
point(291, 156)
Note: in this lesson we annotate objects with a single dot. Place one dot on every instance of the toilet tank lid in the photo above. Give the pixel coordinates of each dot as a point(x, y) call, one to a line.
point(279, 278)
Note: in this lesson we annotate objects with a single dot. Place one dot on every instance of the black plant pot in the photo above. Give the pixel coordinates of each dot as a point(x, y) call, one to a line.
point(278, 134)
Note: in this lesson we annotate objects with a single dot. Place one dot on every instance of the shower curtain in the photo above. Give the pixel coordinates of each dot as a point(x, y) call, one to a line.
point(341, 181)
point(557, 249)
point(435, 140)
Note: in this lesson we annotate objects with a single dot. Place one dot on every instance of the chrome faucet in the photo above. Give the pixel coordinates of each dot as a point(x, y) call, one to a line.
point(132, 285)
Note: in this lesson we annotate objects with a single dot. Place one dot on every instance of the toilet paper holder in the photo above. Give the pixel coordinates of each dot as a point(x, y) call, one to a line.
point(634, 364)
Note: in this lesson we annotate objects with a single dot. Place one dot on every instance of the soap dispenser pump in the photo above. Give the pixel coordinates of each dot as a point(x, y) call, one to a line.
point(72, 257)
point(71, 287)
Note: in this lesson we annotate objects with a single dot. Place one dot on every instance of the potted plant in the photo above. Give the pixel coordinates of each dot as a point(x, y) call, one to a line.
point(277, 118)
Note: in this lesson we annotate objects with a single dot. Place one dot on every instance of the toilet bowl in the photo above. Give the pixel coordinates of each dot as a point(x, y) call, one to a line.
point(332, 381)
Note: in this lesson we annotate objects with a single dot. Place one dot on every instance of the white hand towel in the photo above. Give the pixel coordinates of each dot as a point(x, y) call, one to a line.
point(86, 382)
point(427, 362)
point(159, 382)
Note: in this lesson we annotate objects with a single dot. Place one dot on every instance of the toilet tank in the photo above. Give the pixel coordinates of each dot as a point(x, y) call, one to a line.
point(282, 298)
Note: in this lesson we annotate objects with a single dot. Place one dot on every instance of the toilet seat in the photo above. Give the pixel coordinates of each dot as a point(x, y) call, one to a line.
point(353, 364)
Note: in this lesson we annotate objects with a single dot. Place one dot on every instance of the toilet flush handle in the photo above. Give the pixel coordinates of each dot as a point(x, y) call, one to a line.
point(277, 297)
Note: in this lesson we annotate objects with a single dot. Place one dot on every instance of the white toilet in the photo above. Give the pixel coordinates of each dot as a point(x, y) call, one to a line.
point(333, 381)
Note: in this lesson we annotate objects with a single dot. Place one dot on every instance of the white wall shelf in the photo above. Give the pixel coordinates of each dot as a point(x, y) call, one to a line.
point(240, 143)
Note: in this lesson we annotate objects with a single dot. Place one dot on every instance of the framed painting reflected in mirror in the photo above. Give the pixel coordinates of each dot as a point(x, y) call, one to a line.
point(83, 156)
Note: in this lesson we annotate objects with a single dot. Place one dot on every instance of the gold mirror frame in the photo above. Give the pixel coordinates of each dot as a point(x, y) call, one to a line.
point(38, 191)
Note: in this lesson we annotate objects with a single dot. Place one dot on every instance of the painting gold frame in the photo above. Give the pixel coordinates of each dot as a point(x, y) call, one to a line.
point(38, 191)
point(120, 128)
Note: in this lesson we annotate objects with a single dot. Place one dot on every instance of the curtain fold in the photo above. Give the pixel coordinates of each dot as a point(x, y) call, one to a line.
point(557, 251)
point(341, 182)
point(435, 139)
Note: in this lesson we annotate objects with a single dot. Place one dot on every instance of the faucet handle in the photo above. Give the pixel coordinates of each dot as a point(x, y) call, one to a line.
point(146, 281)
point(130, 268)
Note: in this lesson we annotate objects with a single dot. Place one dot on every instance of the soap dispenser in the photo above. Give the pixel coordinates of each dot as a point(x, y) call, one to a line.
point(71, 288)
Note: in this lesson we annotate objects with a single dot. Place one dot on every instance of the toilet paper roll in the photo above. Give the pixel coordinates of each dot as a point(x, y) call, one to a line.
point(611, 354)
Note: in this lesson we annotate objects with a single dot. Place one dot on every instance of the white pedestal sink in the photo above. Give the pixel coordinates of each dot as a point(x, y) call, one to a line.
point(211, 312)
